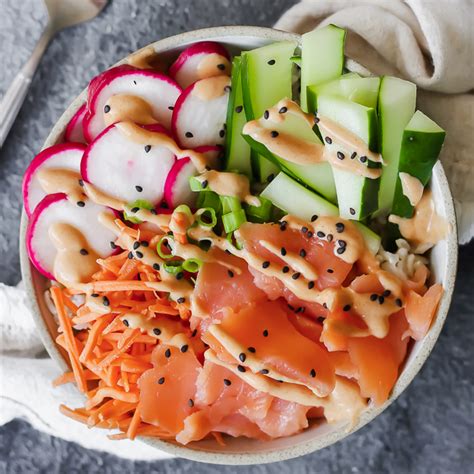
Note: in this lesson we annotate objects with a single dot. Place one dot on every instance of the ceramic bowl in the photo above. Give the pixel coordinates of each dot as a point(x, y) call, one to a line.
point(318, 435)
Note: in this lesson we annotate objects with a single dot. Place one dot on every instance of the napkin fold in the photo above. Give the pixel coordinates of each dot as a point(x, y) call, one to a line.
point(428, 42)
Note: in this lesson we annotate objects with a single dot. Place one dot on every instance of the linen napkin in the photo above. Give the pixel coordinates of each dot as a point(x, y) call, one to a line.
point(428, 42)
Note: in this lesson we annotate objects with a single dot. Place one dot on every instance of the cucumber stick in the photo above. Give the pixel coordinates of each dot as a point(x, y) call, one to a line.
point(322, 58)
point(237, 149)
point(356, 195)
point(362, 90)
point(295, 199)
point(266, 78)
point(397, 100)
point(421, 144)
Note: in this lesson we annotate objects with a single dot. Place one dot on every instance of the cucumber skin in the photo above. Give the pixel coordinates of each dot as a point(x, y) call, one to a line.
point(236, 162)
point(419, 153)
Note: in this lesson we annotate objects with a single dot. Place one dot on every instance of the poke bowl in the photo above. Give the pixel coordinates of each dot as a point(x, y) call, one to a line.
point(319, 434)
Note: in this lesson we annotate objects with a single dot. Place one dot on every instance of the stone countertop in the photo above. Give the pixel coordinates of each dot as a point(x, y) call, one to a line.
point(429, 429)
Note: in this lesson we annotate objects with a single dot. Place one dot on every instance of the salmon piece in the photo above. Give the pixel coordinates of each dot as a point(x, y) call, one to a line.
point(420, 310)
point(166, 389)
point(278, 346)
point(417, 282)
point(378, 360)
point(238, 425)
point(343, 364)
point(308, 327)
point(367, 284)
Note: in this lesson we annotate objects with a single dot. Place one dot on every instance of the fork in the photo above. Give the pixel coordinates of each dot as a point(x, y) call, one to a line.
point(62, 14)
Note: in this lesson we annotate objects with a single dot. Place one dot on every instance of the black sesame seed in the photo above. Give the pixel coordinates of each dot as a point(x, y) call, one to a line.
point(242, 357)
point(170, 107)
point(251, 349)
point(285, 269)
point(184, 348)
point(314, 217)
point(328, 140)
point(283, 110)
point(321, 319)
point(139, 254)
point(230, 273)
point(398, 302)
point(241, 368)
point(266, 114)
point(341, 250)
point(239, 109)
point(204, 184)
point(112, 245)
point(144, 243)
point(81, 182)
point(301, 309)
point(363, 159)
point(156, 267)
point(283, 251)
point(161, 380)
point(154, 212)
point(227, 382)
point(81, 203)
point(227, 88)
point(221, 133)
point(135, 82)
point(107, 109)
point(309, 234)
point(320, 234)
point(347, 307)
point(341, 243)
point(181, 300)
point(316, 118)
point(373, 297)
point(312, 373)
point(386, 293)
point(271, 62)
point(83, 252)
point(352, 211)
point(136, 245)
point(265, 264)
point(304, 229)
point(193, 334)
point(156, 331)
point(126, 323)
point(265, 333)
point(325, 306)
point(134, 209)
point(330, 270)
point(139, 189)
point(147, 148)
point(190, 402)
point(340, 155)
point(303, 253)
point(179, 276)
point(264, 371)
point(291, 307)
point(105, 301)
point(188, 135)
point(168, 353)
point(310, 285)
point(353, 155)
point(339, 227)
point(329, 237)
point(95, 295)
point(296, 275)
point(274, 133)
point(381, 300)
point(221, 67)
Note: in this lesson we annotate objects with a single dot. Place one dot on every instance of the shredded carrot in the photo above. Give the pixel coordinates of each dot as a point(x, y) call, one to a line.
point(120, 285)
point(94, 335)
point(218, 437)
point(134, 424)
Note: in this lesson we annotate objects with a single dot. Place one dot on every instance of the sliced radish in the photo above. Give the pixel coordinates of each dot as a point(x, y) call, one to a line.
point(63, 156)
point(56, 208)
point(199, 61)
point(127, 170)
point(177, 189)
point(158, 90)
point(74, 130)
point(200, 113)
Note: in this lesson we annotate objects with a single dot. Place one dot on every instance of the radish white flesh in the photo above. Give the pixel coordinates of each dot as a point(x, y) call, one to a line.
point(200, 112)
point(63, 156)
point(177, 189)
point(158, 90)
point(127, 170)
point(74, 130)
point(56, 208)
point(199, 61)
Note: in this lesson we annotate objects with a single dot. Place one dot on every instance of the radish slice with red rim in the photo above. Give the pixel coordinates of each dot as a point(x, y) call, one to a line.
point(56, 208)
point(200, 61)
point(65, 156)
point(157, 90)
point(74, 130)
point(199, 115)
point(127, 170)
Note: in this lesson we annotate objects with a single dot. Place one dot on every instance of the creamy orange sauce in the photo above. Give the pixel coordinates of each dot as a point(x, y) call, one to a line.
point(142, 59)
point(228, 184)
point(412, 187)
point(122, 107)
point(75, 261)
point(212, 65)
point(211, 88)
point(425, 228)
point(59, 180)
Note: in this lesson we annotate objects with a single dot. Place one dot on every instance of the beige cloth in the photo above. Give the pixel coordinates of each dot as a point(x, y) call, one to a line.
point(429, 42)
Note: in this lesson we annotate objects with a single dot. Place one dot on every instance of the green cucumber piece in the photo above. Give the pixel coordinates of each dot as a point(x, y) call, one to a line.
point(266, 76)
point(362, 90)
point(290, 196)
point(421, 144)
point(259, 214)
point(237, 157)
point(230, 204)
point(209, 199)
point(356, 195)
point(233, 220)
point(322, 58)
point(397, 100)
point(318, 176)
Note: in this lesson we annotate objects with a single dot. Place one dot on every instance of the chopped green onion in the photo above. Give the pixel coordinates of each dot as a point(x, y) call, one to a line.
point(196, 184)
point(192, 265)
point(174, 267)
point(166, 239)
point(206, 217)
point(140, 204)
point(233, 220)
point(260, 214)
point(184, 209)
point(233, 241)
point(209, 199)
point(230, 204)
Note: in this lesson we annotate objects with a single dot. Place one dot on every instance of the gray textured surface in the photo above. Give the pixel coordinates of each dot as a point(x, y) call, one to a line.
point(428, 430)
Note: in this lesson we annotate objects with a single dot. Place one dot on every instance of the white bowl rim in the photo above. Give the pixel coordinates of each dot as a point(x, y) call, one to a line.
point(280, 454)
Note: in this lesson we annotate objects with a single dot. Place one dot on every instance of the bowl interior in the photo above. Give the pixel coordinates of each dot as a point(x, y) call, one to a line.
point(318, 435)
